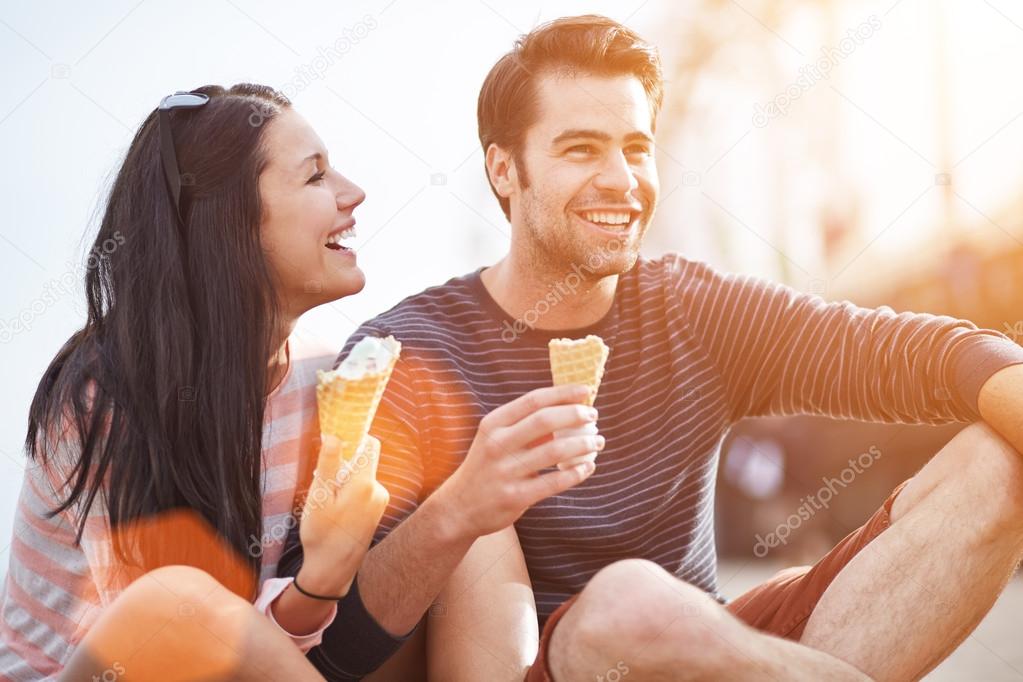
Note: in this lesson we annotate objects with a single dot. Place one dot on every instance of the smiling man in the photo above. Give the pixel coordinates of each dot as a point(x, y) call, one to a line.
point(621, 560)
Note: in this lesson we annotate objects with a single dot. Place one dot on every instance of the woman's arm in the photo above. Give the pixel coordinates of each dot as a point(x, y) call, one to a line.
point(483, 625)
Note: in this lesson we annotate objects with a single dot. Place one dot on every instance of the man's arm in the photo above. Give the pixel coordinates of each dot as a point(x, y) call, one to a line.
point(498, 480)
point(778, 351)
point(1001, 404)
point(402, 575)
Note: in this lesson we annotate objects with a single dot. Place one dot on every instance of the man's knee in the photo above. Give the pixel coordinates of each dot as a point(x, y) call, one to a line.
point(636, 606)
point(988, 473)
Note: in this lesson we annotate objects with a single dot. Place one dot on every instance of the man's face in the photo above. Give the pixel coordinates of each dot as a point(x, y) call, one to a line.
point(592, 180)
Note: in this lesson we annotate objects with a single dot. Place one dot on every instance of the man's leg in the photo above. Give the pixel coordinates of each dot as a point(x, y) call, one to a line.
point(913, 594)
point(636, 619)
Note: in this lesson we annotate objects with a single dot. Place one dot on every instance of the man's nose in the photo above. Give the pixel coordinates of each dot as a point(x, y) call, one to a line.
point(616, 174)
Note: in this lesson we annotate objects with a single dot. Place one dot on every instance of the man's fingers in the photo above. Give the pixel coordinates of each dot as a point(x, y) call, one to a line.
point(545, 485)
point(544, 422)
point(527, 404)
point(559, 450)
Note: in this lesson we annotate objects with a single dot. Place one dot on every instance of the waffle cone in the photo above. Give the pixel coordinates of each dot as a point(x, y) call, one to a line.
point(579, 361)
point(347, 406)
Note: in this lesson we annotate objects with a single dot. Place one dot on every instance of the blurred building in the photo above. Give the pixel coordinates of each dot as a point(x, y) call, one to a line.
point(856, 150)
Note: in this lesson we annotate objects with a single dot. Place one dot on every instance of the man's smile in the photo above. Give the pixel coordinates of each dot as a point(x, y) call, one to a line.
point(615, 221)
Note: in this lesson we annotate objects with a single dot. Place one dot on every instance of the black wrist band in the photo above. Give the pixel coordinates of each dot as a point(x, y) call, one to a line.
point(314, 596)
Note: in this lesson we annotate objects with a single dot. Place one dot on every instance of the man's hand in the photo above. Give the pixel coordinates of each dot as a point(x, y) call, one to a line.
point(500, 478)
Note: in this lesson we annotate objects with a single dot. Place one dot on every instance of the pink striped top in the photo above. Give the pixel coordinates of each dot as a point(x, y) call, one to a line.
point(52, 593)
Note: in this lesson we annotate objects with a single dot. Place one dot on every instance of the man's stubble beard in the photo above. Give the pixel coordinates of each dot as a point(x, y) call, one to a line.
point(554, 246)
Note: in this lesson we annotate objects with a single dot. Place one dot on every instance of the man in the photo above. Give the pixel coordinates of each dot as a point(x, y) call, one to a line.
point(622, 560)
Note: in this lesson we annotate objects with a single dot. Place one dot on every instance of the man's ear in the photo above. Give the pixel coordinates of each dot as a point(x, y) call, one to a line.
point(501, 170)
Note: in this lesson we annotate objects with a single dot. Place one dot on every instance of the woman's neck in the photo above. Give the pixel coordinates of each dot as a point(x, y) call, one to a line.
point(281, 360)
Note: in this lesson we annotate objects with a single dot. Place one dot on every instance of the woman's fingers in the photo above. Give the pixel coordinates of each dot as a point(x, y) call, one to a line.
point(378, 503)
point(364, 464)
point(329, 458)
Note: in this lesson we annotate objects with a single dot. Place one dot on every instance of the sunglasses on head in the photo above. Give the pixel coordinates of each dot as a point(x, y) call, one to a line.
point(179, 100)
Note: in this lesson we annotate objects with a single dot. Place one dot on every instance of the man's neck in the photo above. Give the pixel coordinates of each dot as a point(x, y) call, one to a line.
point(548, 299)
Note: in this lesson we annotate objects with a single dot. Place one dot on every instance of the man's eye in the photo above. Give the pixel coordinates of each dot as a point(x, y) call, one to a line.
point(637, 149)
point(581, 149)
point(318, 176)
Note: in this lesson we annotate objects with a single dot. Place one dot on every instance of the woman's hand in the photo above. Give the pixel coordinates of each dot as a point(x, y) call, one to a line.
point(341, 513)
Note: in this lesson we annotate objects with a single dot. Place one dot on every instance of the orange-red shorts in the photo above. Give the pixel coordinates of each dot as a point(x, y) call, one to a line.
point(781, 605)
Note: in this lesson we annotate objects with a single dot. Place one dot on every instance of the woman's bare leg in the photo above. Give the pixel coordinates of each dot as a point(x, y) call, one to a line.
point(178, 623)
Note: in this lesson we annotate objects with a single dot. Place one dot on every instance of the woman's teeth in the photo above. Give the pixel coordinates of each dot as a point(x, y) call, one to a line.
point(334, 240)
point(608, 219)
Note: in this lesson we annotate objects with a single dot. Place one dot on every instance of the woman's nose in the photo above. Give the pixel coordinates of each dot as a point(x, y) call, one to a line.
point(349, 194)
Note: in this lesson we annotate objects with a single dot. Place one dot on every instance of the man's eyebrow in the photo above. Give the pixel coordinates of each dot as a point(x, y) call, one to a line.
point(599, 135)
point(589, 134)
point(639, 135)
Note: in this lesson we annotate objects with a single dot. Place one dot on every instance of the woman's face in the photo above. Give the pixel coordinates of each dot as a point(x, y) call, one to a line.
point(307, 217)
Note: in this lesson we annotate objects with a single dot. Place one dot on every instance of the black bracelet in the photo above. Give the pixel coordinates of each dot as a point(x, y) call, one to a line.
point(314, 596)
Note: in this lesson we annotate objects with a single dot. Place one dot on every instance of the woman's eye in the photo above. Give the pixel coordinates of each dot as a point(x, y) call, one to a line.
point(318, 176)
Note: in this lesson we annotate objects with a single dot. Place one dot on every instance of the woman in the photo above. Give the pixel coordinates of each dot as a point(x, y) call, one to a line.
point(172, 438)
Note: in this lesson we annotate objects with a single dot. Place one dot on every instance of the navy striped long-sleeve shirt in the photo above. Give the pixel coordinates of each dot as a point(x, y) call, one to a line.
point(692, 351)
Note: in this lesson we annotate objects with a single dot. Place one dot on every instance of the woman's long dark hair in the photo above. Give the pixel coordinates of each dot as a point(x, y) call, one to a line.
point(164, 388)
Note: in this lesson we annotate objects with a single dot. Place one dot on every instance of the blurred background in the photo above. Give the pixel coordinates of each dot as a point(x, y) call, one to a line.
point(858, 150)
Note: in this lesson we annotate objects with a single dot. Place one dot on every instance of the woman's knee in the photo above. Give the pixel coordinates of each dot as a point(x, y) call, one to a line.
point(171, 591)
point(175, 613)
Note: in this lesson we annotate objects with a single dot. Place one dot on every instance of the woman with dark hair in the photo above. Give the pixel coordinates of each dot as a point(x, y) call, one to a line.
point(172, 439)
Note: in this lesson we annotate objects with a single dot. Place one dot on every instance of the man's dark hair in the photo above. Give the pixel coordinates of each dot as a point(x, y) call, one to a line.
point(589, 44)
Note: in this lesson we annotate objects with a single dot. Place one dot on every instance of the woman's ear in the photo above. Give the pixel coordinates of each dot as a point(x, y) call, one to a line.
point(501, 170)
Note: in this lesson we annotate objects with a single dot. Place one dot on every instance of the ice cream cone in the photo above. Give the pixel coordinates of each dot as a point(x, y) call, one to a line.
point(579, 361)
point(348, 396)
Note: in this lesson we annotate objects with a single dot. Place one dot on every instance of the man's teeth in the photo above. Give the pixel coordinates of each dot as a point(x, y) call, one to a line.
point(608, 218)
